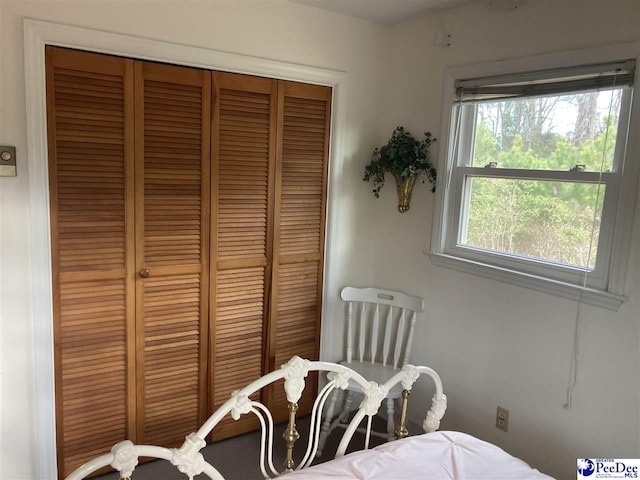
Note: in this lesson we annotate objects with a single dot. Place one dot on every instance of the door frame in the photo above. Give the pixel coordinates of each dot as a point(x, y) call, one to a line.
point(38, 34)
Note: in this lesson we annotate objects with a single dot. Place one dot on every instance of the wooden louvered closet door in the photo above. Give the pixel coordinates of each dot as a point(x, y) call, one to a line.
point(300, 205)
point(270, 157)
point(242, 220)
point(129, 182)
point(90, 126)
point(172, 244)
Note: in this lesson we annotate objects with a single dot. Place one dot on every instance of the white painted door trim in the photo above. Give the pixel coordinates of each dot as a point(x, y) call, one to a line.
point(37, 34)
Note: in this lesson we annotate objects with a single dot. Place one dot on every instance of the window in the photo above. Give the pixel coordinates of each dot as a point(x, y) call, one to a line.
point(536, 181)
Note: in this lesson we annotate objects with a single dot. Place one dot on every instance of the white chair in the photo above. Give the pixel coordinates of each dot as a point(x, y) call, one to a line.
point(380, 326)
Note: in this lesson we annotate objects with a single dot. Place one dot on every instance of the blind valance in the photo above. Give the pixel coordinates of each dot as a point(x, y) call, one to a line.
point(547, 82)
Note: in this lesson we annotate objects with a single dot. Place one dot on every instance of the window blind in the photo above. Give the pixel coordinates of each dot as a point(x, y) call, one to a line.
point(547, 82)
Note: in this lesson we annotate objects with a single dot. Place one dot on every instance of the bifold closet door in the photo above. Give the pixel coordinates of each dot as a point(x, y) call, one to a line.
point(244, 124)
point(90, 108)
point(270, 152)
point(304, 114)
point(129, 166)
point(172, 158)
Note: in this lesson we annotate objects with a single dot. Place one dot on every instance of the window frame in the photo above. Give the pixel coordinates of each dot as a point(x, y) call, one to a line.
point(604, 286)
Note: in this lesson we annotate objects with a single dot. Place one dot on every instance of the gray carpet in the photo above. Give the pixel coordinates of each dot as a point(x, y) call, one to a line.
point(238, 458)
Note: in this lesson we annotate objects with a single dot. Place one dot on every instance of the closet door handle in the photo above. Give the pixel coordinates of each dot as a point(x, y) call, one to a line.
point(144, 273)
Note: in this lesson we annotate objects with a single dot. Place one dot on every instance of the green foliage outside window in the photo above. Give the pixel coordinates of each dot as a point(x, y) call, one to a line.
point(543, 219)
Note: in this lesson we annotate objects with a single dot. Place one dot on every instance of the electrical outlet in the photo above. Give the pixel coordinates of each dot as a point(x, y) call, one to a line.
point(502, 418)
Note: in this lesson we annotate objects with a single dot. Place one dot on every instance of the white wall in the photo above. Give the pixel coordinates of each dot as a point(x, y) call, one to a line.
point(493, 343)
point(268, 29)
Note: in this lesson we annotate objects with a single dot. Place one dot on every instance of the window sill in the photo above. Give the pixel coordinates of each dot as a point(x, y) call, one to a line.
point(587, 295)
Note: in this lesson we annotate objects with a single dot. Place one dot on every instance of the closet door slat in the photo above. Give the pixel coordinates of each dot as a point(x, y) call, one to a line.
point(90, 123)
point(242, 198)
point(298, 260)
point(172, 249)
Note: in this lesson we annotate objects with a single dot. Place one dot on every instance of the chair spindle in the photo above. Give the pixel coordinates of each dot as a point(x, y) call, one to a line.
point(387, 338)
point(363, 330)
point(374, 334)
point(407, 353)
point(399, 338)
point(350, 332)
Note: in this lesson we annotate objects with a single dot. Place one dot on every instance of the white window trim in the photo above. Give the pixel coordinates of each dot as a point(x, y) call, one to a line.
point(37, 34)
point(611, 295)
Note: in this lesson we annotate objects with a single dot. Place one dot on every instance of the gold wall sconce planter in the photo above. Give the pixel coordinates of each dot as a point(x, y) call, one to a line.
point(404, 192)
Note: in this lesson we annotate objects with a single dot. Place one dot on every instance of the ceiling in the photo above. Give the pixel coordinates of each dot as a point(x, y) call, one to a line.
point(384, 11)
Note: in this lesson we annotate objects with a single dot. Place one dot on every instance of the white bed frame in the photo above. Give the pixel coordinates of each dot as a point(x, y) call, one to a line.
point(123, 457)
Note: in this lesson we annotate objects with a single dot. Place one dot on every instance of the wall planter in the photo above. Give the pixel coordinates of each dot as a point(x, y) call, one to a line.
point(405, 188)
point(405, 158)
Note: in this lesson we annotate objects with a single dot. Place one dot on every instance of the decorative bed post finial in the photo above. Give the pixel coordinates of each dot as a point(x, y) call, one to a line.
point(296, 370)
point(188, 458)
point(125, 458)
point(373, 396)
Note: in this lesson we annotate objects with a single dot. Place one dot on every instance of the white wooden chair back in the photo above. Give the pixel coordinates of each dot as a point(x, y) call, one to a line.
point(380, 319)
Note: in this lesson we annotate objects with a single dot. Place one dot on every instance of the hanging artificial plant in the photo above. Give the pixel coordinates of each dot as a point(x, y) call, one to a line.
point(404, 157)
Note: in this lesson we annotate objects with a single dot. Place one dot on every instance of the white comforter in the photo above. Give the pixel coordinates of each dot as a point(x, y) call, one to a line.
point(436, 456)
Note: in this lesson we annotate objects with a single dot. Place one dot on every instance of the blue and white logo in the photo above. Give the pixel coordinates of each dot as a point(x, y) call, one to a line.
point(586, 467)
point(608, 468)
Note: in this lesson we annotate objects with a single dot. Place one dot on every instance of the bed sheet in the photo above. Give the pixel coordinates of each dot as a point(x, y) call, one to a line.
point(437, 456)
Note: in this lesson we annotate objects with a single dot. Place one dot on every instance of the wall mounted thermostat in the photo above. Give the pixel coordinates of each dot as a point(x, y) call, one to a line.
point(7, 161)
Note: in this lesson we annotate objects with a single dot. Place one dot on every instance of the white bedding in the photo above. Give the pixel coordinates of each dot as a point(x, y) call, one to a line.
point(436, 456)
